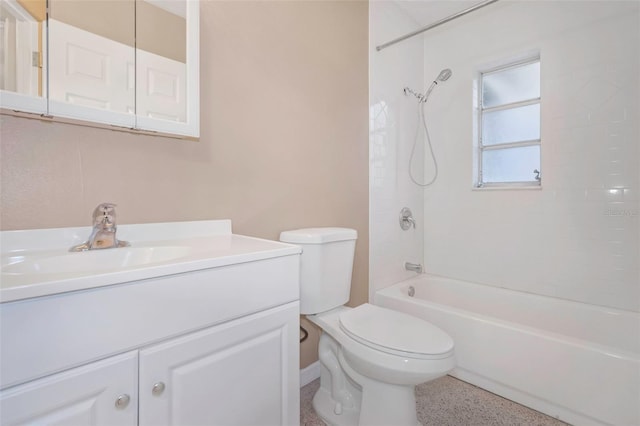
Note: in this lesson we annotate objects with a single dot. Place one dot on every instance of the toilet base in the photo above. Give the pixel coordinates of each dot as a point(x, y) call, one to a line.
point(347, 398)
point(398, 407)
point(325, 407)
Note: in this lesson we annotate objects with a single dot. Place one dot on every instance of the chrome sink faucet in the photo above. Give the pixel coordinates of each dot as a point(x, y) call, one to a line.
point(103, 235)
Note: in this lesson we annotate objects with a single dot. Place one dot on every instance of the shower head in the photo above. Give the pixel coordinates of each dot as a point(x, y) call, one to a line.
point(444, 75)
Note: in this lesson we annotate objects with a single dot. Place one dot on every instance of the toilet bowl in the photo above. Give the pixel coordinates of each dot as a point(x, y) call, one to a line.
point(368, 375)
point(371, 358)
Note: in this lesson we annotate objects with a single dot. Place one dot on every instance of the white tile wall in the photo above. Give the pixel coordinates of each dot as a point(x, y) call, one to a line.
point(393, 125)
point(578, 237)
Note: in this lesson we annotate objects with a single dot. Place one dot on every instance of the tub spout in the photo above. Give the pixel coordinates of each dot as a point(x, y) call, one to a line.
point(415, 267)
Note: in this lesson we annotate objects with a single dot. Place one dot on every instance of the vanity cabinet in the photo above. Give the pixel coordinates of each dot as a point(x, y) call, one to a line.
point(210, 339)
point(235, 373)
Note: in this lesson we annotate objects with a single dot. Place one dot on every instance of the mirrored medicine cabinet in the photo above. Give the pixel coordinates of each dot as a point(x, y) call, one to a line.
point(127, 63)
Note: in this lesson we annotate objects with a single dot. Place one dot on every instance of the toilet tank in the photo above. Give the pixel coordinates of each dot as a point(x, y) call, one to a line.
point(326, 265)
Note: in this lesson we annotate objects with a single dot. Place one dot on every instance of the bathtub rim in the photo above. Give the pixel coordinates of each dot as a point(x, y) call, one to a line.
point(394, 291)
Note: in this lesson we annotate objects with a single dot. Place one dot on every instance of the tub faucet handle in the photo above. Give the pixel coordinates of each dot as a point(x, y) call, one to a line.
point(406, 219)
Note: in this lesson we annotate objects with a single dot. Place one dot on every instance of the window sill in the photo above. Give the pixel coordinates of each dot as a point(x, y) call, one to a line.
point(514, 187)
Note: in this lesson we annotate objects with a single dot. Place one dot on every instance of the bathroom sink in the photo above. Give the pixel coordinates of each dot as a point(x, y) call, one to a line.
point(38, 262)
point(92, 261)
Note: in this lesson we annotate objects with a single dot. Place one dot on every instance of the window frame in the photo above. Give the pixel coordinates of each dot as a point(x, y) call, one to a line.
point(536, 182)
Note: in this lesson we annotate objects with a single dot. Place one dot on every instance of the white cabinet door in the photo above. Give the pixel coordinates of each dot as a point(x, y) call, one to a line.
point(85, 395)
point(244, 372)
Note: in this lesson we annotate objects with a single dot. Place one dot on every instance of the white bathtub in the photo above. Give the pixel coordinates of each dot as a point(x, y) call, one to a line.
point(577, 362)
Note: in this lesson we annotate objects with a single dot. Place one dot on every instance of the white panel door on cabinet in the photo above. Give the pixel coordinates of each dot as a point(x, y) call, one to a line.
point(244, 372)
point(100, 393)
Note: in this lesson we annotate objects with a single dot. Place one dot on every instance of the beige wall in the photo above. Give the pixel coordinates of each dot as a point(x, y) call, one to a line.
point(284, 138)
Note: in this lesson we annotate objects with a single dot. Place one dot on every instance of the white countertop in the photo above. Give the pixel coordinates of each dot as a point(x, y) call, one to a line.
point(194, 246)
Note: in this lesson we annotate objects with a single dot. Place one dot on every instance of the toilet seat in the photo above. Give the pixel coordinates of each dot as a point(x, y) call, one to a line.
point(380, 362)
point(395, 332)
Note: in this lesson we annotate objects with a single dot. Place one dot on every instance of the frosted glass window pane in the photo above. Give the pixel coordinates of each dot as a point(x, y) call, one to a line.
point(510, 164)
point(511, 85)
point(511, 125)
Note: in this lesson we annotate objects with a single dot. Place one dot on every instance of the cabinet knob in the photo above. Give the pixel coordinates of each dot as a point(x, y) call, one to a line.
point(158, 388)
point(122, 401)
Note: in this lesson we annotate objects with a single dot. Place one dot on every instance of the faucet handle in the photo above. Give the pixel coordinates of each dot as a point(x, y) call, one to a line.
point(104, 214)
point(406, 219)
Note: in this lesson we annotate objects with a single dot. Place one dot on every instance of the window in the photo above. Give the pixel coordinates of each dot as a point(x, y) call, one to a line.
point(509, 125)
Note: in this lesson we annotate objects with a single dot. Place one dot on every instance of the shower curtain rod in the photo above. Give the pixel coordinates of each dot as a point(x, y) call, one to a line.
point(435, 24)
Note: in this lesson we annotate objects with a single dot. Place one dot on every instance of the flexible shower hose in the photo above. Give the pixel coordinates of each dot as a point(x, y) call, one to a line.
point(423, 120)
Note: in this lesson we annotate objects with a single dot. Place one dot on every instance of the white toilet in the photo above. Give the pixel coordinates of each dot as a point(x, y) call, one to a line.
point(371, 357)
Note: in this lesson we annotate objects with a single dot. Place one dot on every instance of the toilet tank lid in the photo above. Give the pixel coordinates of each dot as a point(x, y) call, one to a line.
point(318, 235)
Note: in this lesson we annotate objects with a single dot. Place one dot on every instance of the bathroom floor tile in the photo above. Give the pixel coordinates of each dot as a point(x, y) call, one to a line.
point(450, 402)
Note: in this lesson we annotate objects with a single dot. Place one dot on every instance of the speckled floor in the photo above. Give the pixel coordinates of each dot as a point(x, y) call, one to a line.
point(450, 402)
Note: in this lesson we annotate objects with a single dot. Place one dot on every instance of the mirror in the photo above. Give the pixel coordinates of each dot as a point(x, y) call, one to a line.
point(22, 49)
point(167, 79)
point(161, 57)
point(129, 63)
point(92, 60)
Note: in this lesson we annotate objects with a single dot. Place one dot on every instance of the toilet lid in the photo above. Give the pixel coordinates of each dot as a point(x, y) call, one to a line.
point(395, 332)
